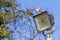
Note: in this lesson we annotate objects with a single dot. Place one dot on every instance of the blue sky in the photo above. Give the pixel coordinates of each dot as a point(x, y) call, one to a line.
point(53, 6)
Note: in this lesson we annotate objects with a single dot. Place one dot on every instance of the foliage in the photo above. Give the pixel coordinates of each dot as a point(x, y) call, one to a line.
point(7, 14)
point(6, 3)
point(29, 12)
point(3, 31)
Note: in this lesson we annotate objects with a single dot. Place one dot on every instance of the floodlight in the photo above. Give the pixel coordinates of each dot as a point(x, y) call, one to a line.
point(42, 21)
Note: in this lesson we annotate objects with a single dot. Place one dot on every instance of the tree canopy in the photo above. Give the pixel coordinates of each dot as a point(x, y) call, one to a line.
point(7, 12)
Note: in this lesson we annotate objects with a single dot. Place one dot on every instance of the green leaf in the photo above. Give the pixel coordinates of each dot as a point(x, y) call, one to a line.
point(3, 31)
point(29, 12)
point(6, 15)
point(1, 2)
point(8, 4)
point(13, 5)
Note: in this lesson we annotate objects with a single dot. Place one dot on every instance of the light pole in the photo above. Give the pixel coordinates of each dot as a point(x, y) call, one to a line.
point(43, 21)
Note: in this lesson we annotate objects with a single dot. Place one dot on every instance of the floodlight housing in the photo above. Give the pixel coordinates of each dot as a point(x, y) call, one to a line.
point(42, 21)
